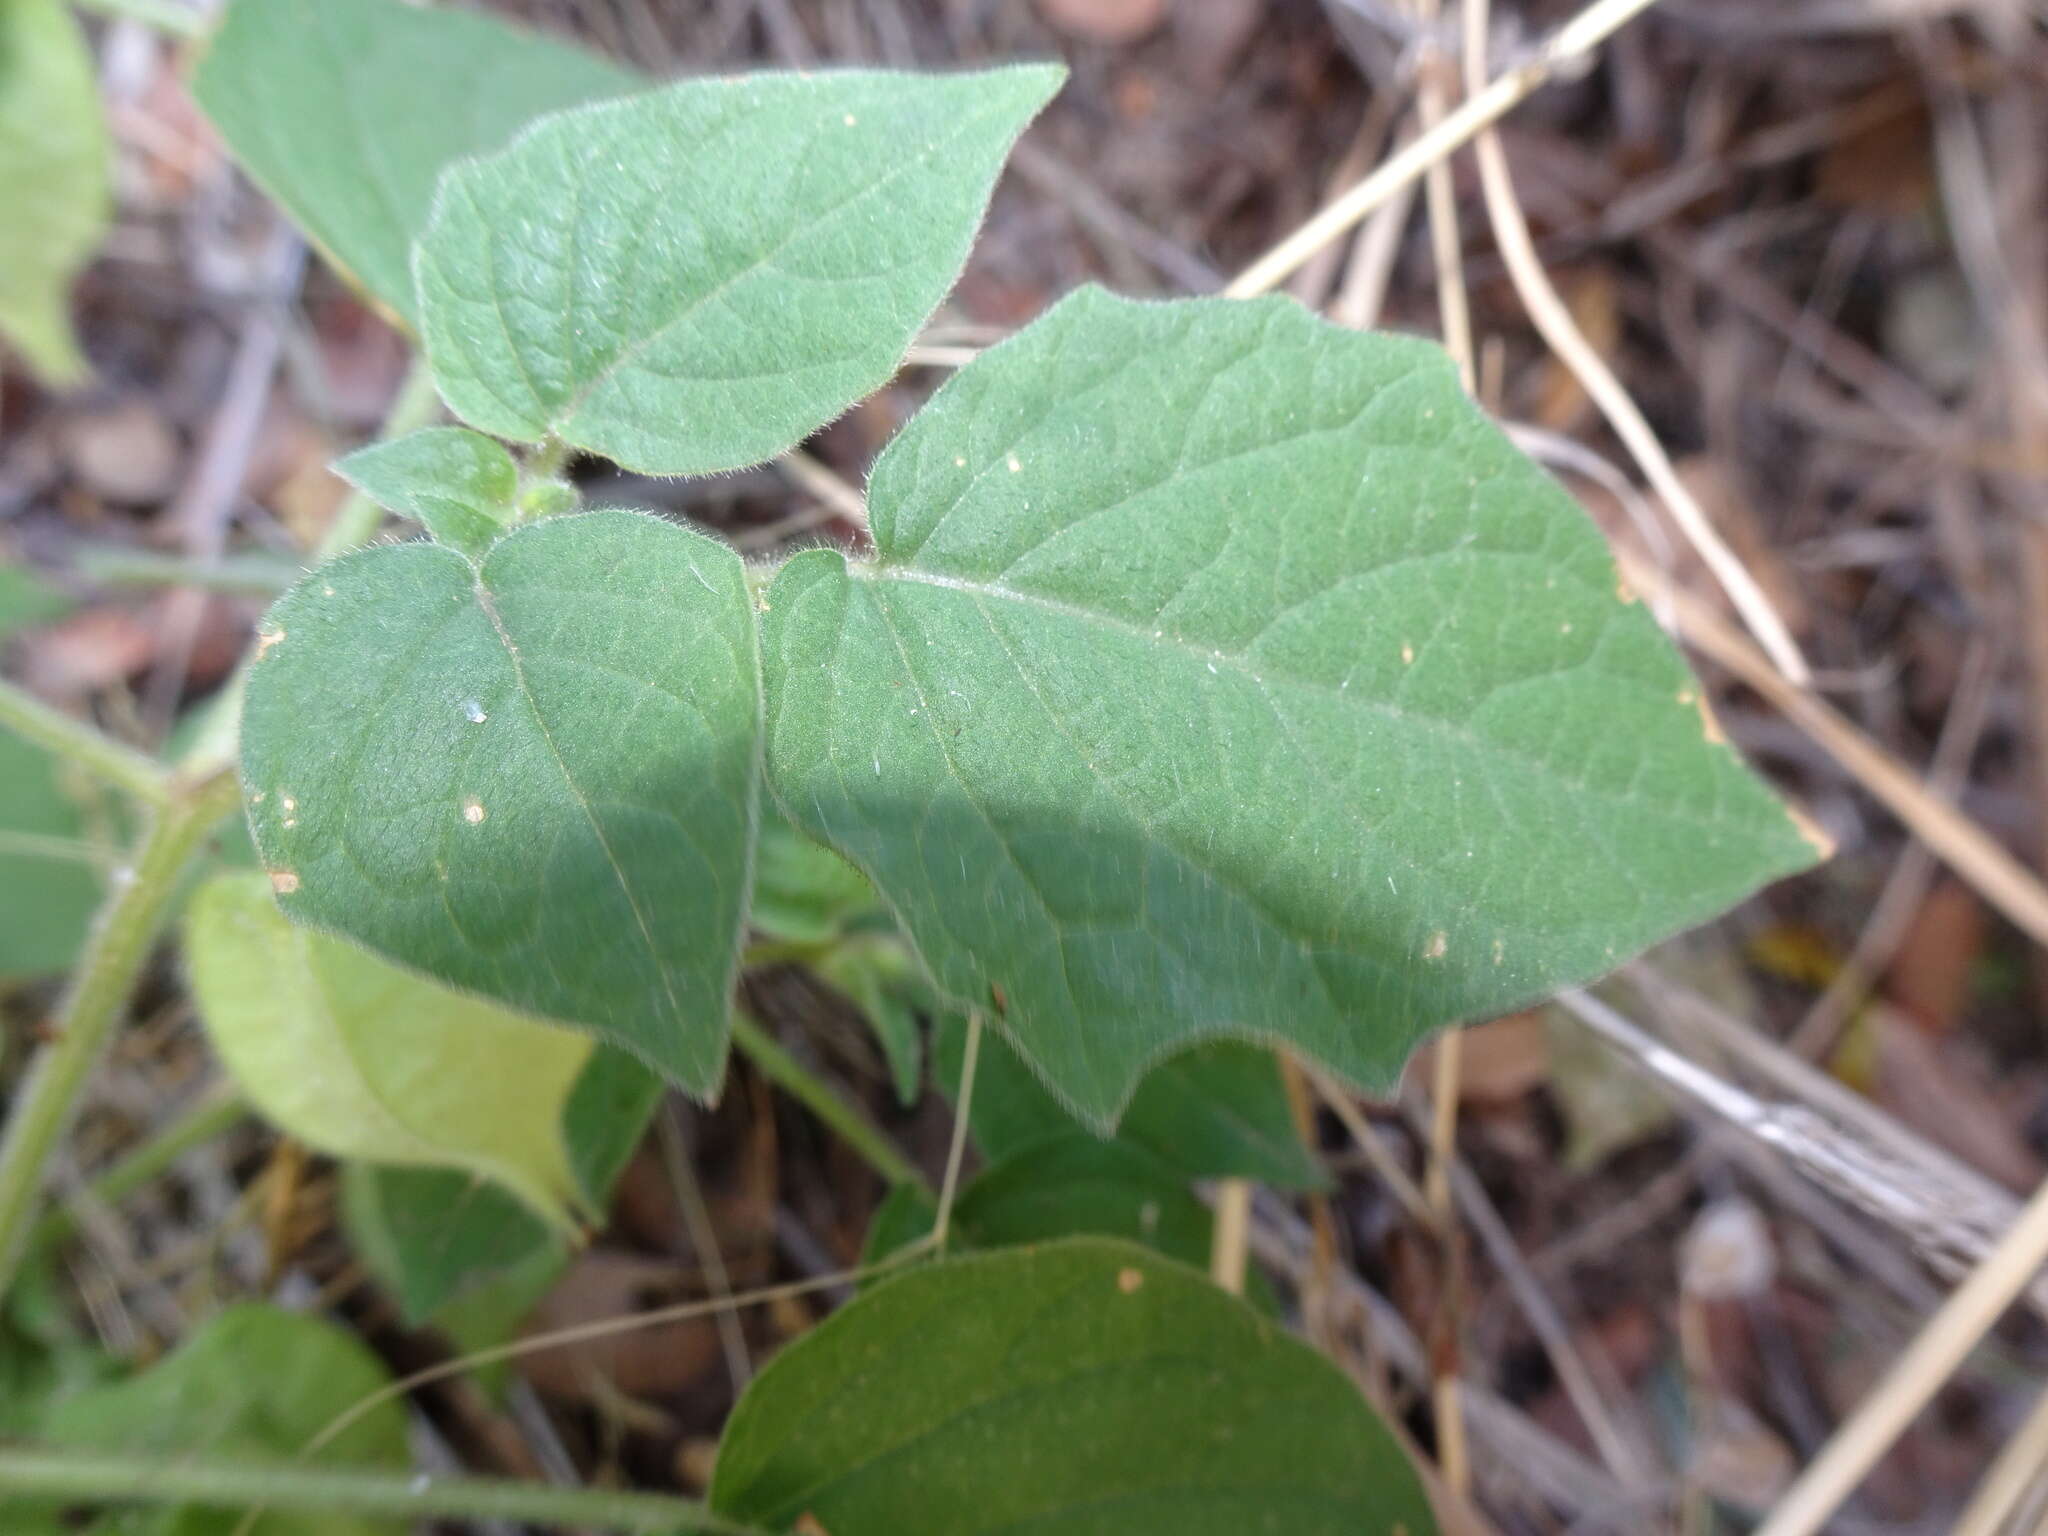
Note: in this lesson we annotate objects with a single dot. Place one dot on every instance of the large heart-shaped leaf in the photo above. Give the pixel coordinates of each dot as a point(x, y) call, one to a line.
point(698, 277)
point(1223, 671)
point(53, 180)
point(1089, 1387)
point(346, 111)
point(361, 1059)
point(533, 776)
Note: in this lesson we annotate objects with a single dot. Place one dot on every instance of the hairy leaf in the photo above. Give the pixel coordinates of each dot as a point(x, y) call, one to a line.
point(461, 486)
point(53, 181)
point(534, 776)
point(433, 1236)
point(701, 276)
point(1087, 1386)
point(360, 1059)
point(1217, 1110)
point(1223, 671)
point(346, 111)
point(255, 1383)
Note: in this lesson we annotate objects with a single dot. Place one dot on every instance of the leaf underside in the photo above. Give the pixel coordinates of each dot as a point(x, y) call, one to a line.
point(534, 776)
point(698, 277)
point(1223, 672)
point(361, 1059)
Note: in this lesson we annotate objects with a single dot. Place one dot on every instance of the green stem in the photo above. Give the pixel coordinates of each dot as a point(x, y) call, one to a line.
point(218, 1111)
point(355, 521)
point(47, 1096)
point(73, 740)
point(821, 1099)
point(236, 575)
point(177, 20)
point(100, 1477)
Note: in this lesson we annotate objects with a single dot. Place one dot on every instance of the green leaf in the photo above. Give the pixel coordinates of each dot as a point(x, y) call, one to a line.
point(878, 977)
point(51, 857)
point(1221, 671)
point(804, 894)
point(1089, 1387)
point(258, 1383)
point(433, 1236)
point(360, 1059)
point(346, 112)
point(1069, 1184)
point(699, 277)
point(53, 181)
point(461, 486)
point(1218, 1110)
point(533, 777)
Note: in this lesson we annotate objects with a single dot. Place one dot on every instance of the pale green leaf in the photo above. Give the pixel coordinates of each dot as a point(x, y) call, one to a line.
point(254, 1383)
point(533, 777)
point(346, 111)
point(1088, 1387)
point(53, 181)
point(435, 1237)
point(1224, 671)
point(461, 486)
point(360, 1059)
point(698, 277)
point(1218, 1110)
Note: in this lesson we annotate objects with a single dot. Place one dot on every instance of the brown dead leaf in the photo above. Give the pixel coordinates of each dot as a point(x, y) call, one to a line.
point(1110, 22)
point(92, 649)
point(1498, 1062)
point(1935, 1086)
point(124, 452)
point(1590, 293)
point(656, 1361)
point(1931, 974)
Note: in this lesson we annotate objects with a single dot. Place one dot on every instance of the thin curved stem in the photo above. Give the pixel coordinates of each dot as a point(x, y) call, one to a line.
point(77, 742)
point(100, 1477)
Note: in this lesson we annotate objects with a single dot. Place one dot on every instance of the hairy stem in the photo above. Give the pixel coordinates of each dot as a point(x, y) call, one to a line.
point(76, 742)
point(819, 1097)
point(47, 1096)
point(98, 1477)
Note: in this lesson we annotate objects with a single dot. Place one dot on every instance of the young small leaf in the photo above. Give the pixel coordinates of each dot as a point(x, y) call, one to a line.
point(361, 1059)
point(433, 1236)
point(533, 777)
point(461, 486)
point(1087, 1386)
point(1215, 1111)
point(1224, 671)
point(1069, 1184)
point(53, 181)
point(255, 1383)
point(699, 277)
point(345, 111)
